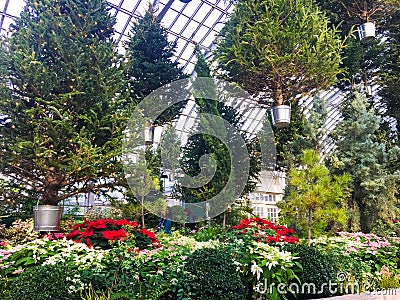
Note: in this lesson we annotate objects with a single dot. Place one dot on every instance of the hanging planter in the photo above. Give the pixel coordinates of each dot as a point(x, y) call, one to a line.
point(280, 115)
point(149, 134)
point(366, 32)
point(47, 217)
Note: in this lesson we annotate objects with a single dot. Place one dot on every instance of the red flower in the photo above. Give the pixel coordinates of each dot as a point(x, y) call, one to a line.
point(73, 234)
point(114, 235)
point(87, 233)
point(98, 224)
point(124, 222)
point(148, 233)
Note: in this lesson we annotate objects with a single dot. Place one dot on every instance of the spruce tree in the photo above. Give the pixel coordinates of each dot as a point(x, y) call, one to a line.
point(360, 153)
point(199, 145)
point(61, 106)
point(150, 62)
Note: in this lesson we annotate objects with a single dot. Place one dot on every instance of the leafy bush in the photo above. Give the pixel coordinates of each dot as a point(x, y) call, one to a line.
point(19, 232)
point(43, 283)
point(319, 269)
point(204, 234)
point(212, 274)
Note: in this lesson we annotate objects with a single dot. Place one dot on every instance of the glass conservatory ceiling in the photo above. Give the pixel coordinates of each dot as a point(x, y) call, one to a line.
point(196, 22)
point(187, 24)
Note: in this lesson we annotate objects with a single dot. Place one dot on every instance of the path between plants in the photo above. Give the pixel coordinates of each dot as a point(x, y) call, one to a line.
point(390, 295)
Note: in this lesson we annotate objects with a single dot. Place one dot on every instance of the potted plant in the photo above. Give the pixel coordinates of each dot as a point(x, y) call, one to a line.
point(279, 53)
point(62, 120)
point(47, 218)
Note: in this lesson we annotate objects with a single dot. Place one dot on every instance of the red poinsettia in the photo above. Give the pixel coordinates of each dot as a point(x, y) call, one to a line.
point(260, 229)
point(101, 231)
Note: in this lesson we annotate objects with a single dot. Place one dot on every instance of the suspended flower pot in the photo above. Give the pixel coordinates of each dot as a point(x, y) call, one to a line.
point(149, 134)
point(280, 115)
point(366, 32)
point(47, 217)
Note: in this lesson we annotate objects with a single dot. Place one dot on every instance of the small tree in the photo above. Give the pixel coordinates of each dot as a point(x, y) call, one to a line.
point(60, 101)
point(279, 48)
point(315, 194)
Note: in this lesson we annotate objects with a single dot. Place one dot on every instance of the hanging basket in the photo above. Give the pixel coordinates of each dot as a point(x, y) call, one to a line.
point(47, 217)
point(366, 32)
point(280, 115)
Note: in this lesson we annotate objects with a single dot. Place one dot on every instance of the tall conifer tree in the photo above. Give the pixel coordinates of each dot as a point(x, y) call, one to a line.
point(60, 100)
point(150, 62)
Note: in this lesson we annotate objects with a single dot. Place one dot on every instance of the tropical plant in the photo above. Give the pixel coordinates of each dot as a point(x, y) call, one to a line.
point(102, 232)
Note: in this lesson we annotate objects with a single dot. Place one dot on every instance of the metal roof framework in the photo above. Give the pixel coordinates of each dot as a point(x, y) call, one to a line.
point(196, 22)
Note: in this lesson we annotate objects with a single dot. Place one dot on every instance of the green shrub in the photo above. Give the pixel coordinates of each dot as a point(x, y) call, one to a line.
point(319, 269)
point(43, 283)
point(19, 232)
point(211, 274)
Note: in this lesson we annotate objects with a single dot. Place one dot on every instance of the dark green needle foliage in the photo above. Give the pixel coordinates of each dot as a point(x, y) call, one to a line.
point(150, 62)
point(61, 100)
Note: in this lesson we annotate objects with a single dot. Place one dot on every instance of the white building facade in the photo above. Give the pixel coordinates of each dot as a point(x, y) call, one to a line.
point(269, 191)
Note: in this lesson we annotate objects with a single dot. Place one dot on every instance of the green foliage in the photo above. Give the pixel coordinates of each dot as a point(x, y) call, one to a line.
point(12, 203)
point(127, 275)
point(369, 162)
point(212, 274)
point(61, 100)
point(150, 64)
point(280, 48)
point(43, 283)
point(19, 232)
point(319, 268)
point(205, 234)
point(315, 196)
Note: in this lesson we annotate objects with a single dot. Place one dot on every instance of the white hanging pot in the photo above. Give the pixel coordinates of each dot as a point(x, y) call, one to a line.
point(149, 135)
point(366, 32)
point(47, 217)
point(280, 115)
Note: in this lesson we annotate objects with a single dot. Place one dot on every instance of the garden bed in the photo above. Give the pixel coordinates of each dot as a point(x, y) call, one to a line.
point(117, 259)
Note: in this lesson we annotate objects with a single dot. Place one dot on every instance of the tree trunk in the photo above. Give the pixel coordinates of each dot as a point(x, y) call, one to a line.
point(278, 97)
point(309, 224)
point(51, 185)
point(224, 221)
point(142, 211)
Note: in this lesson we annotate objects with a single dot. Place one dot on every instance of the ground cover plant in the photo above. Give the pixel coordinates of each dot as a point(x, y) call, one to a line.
point(256, 254)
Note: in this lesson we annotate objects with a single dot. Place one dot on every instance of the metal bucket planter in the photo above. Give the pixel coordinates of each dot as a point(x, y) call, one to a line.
point(280, 115)
point(47, 217)
point(366, 32)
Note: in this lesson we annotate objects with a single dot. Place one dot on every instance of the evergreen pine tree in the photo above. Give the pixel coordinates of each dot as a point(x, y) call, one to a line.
point(62, 118)
point(205, 144)
point(360, 153)
point(315, 197)
point(279, 48)
point(150, 62)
